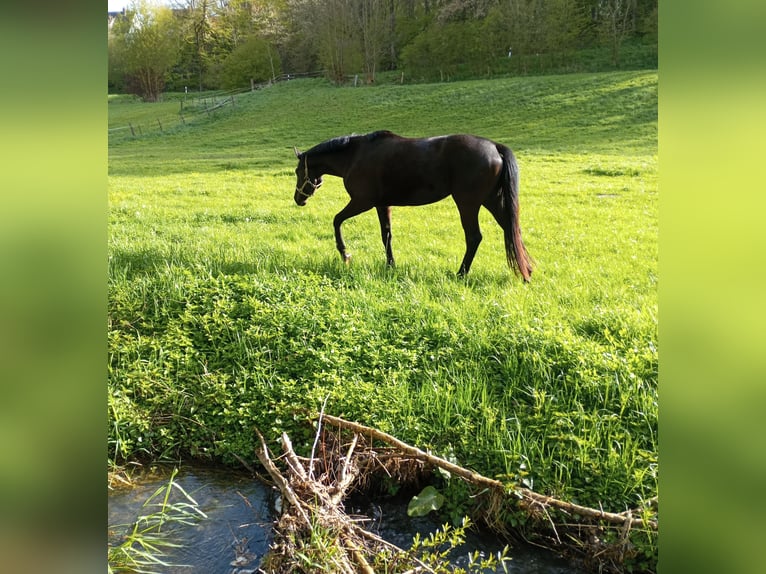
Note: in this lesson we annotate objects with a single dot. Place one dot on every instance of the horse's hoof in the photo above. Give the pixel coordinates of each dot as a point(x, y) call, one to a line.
point(347, 259)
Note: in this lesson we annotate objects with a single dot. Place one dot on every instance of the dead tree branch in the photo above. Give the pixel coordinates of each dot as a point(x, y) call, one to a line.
point(479, 480)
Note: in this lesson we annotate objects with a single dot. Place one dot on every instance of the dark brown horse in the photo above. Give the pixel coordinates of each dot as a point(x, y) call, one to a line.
point(382, 169)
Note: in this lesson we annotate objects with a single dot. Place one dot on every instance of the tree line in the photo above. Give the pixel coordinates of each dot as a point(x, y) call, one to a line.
point(226, 44)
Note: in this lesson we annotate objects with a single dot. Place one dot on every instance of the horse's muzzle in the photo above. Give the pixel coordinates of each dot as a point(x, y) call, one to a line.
point(301, 197)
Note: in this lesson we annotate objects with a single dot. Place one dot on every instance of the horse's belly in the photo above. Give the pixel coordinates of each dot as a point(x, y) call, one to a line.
point(408, 185)
point(414, 196)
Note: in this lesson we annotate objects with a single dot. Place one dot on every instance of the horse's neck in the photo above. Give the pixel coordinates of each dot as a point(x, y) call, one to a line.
point(335, 163)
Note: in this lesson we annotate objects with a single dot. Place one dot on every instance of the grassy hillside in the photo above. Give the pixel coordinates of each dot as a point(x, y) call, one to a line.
point(229, 307)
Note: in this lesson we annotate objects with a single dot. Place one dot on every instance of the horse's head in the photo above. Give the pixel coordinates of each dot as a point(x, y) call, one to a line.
point(305, 184)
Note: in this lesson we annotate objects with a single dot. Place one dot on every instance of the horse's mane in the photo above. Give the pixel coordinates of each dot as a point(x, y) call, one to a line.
point(342, 142)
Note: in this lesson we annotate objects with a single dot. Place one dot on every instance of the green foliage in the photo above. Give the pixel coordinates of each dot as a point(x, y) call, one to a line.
point(229, 308)
point(433, 554)
point(421, 504)
point(253, 60)
point(349, 39)
point(143, 47)
point(444, 49)
point(479, 47)
point(320, 551)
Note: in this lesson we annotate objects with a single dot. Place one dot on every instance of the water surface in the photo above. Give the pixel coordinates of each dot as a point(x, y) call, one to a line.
point(240, 514)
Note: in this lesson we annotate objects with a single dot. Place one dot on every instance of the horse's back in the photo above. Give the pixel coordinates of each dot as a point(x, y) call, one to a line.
point(438, 154)
point(417, 171)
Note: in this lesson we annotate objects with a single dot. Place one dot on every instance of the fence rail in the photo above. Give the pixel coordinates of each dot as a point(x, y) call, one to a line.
point(195, 106)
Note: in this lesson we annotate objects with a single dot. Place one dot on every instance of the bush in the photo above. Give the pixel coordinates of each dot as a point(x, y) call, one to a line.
point(253, 60)
point(442, 51)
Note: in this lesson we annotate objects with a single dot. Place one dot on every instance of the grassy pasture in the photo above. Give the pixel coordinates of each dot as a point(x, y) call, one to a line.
point(229, 307)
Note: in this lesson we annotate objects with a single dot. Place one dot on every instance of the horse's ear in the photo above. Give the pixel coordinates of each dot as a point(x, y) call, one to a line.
point(297, 153)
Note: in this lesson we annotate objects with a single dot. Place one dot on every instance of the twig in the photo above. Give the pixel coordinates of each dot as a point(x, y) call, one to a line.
point(348, 457)
point(290, 458)
point(316, 437)
point(553, 526)
point(243, 463)
point(244, 498)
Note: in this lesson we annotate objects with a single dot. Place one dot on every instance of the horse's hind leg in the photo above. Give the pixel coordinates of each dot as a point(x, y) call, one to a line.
point(469, 217)
point(384, 216)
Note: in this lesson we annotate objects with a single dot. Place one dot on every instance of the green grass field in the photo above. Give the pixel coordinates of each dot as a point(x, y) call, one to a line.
point(229, 307)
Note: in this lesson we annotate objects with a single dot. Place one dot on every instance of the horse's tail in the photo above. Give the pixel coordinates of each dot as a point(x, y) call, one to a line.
point(515, 251)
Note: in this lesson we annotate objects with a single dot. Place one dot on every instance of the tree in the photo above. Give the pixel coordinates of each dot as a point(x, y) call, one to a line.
point(252, 20)
point(252, 60)
point(647, 19)
point(373, 19)
point(564, 21)
point(145, 46)
point(198, 39)
point(430, 38)
point(335, 25)
point(116, 65)
point(616, 22)
point(298, 45)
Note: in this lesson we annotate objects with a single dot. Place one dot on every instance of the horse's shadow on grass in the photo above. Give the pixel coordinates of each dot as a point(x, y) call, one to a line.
point(144, 262)
point(356, 272)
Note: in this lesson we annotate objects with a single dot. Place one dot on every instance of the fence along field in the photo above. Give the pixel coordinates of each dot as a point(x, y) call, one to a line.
point(177, 109)
point(229, 310)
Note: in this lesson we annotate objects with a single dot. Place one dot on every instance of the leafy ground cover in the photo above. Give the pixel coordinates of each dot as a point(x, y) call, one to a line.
point(230, 309)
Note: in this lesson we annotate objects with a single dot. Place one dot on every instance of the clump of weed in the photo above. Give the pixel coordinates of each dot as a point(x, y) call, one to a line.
point(144, 545)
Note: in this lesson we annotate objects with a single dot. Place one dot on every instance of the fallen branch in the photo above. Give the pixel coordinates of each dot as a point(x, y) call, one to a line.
point(347, 476)
point(358, 555)
point(314, 490)
point(284, 487)
point(496, 485)
point(316, 501)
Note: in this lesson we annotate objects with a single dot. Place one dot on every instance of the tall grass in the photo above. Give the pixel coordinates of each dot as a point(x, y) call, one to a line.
point(229, 307)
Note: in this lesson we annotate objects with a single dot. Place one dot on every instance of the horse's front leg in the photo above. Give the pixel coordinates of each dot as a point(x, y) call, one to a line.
point(353, 208)
point(384, 216)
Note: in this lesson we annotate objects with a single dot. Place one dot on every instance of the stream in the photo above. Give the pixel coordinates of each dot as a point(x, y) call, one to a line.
point(240, 512)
